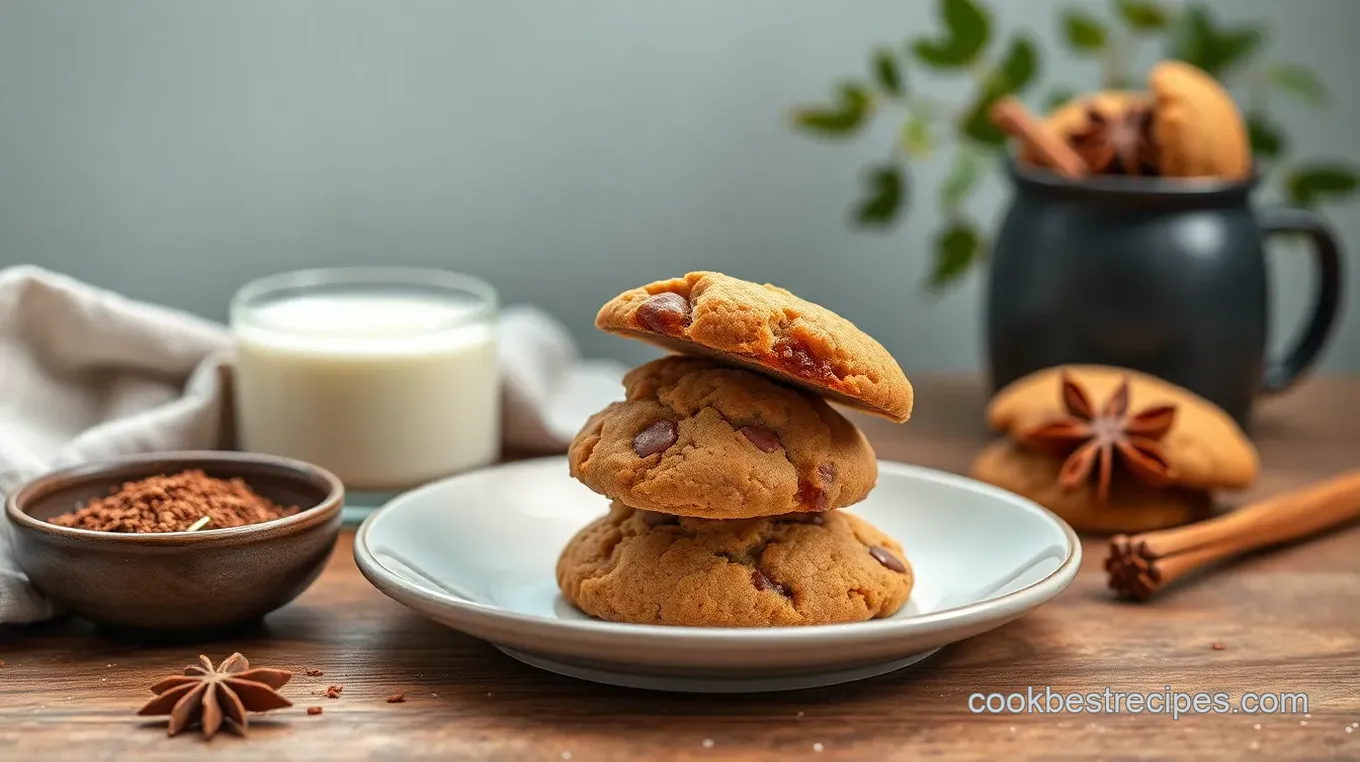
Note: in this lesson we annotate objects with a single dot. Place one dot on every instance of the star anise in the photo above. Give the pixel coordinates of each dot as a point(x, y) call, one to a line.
point(1095, 438)
point(1118, 143)
point(208, 695)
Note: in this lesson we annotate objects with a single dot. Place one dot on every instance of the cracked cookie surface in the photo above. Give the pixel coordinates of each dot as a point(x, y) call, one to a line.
point(650, 568)
point(767, 329)
point(698, 438)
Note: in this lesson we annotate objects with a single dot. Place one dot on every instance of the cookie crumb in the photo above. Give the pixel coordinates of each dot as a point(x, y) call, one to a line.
point(566, 755)
point(1350, 729)
point(2, 662)
point(708, 743)
point(1254, 745)
point(313, 710)
point(1219, 646)
point(1307, 716)
point(1012, 728)
point(333, 691)
point(315, 673)
point(434, 695)
point(800, 715)
point(489, 694)
point(1257, 726)
point(397, 698)
point(817, 747)
point(1303, 722)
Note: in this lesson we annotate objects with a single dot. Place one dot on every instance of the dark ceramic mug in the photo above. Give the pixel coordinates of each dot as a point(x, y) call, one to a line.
point(1166, 277)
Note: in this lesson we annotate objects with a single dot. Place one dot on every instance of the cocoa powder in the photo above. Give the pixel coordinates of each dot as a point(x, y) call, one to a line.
point(173, 504)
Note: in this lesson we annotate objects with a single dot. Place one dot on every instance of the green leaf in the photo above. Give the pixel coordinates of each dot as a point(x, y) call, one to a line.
point(967, 31)
point(1143, 16)
point(1017, 68)
point(1321, 182)
point(1298, 81)
point(1235, 48)
point(1057, 98)
point(960, 181)
point(1266, 139)
point(884, 197)
point(887, 73)
point(843, 118)
point(1012, 74)
point(917, 141)
point(1083, 32)
point(956, 248)
point(1191, 37)
point(1195, 40)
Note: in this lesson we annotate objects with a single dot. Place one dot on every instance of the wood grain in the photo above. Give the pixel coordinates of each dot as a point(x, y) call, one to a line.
point(1288, 621)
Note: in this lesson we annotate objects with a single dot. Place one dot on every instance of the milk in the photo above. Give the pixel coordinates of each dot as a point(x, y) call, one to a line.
point(386, 389)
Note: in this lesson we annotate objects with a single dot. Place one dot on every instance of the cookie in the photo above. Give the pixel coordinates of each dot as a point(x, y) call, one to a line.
point(1196, 125)
point(651, 568)
point(1130, 507)
point(697, 438)
point(766, 329)
point(1204, 446)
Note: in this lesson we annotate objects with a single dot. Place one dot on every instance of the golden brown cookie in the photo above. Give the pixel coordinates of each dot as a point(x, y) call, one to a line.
point(1074, 117)
point(1196, 125)
point(1204, 446)
point(766, 329)
point(651, 568)
point(694, 437)
point(1131, 506)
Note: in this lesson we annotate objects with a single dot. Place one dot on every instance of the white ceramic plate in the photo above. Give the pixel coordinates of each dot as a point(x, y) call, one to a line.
point(478, 552)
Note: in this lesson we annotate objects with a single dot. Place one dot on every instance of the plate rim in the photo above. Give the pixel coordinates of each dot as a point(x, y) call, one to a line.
point(1023, 599)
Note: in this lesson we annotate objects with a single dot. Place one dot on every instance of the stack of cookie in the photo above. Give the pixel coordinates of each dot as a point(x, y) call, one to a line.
point(725, 465)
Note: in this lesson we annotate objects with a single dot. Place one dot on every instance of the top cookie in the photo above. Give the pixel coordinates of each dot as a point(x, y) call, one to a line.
point(766, 329)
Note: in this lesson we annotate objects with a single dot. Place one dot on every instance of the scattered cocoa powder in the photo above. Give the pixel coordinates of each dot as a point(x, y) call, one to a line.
point(313, 710)
point(315, 673)
point(397, 698)
point(173, 503)
point(333, 691)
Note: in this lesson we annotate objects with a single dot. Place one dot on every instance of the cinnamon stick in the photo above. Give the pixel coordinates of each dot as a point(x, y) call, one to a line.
point(1011, 117)
point(1139, 565)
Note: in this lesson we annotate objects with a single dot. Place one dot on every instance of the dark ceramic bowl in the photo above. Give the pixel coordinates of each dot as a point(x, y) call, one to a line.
point(176, 582)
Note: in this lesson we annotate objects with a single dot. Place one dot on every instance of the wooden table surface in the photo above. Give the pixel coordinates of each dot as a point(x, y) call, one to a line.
point(1288, 621)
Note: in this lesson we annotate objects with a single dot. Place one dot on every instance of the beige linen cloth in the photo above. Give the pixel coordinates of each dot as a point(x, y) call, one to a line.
point(86, 374)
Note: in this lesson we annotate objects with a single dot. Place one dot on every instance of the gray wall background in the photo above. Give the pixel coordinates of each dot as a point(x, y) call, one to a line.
point(173, 150)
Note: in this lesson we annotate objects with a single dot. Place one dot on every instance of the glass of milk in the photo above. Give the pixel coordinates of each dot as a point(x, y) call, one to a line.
point(385, 376)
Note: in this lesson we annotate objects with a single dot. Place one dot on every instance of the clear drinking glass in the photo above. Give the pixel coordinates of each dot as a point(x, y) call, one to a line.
point(385, 376)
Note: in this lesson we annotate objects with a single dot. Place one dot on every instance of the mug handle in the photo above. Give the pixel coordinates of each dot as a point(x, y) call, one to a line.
point(1284, 372)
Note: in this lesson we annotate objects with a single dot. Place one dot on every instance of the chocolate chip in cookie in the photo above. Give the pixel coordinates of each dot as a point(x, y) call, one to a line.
point(666, 312)
point(883, 556)
point(764, 439)
point(762, 581)
point(657, 437)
